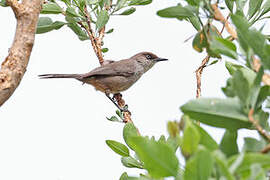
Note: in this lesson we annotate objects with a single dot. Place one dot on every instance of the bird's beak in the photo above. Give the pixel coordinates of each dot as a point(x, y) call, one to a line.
point(160, 59)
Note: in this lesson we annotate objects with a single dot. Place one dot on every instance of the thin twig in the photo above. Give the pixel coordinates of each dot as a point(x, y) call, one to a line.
point(257, 125)
point(94, 41)
point(199, 75)
point(223, 27)
point(121, 103)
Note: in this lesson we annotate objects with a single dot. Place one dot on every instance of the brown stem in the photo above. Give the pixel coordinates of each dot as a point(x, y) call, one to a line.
point(257, 125)
point(219, 17)
point(94, 40)
point(121, 103)
point(199, 75)
point(97, 46)
point(14, 65)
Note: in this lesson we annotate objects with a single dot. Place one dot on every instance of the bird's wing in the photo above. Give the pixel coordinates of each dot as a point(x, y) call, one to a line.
point(119, 68)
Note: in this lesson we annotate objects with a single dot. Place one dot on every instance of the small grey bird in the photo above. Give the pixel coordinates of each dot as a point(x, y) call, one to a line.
point(115, 76)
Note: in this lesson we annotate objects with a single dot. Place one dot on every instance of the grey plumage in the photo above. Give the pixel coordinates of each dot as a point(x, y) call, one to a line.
point(115, 76)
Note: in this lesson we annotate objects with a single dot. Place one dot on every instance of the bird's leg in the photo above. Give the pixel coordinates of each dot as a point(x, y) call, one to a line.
point(114, 102)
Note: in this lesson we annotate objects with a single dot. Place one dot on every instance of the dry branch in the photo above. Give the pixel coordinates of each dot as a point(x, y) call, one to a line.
point(199, 75)
point(14, 65)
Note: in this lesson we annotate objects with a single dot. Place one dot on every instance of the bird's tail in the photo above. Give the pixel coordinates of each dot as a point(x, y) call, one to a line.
point(46, 76)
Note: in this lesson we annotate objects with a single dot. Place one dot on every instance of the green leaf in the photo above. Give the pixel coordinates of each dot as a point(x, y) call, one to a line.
point(193, 2)
point(129, 131)
point(3, 3)
point(124, 176)
point(240, 4)
point(263, 94)
point(257, 173)
point(114, 119)
point(72, 12)
point(255, 89)
point(236, 163)
point(254, 6)
point(120, 4)
point(175, 12)
point(102, 19)
point(253, 145)
point(206, 140)
point(173, 128)
point(232, 68)
point(216, 112)
point(224, 46)
point(241, 86)
point(67, 2)
point(191, 138)
point(104, 50)
point(109, 31)
point(118, 147)
point(78, 31)
point(265, 8)
point(194, 20)
point(199, 42)
point(228, 143)
point(173, 142)
point(253, 38)
point(229, 4)
point(251, 158)
point(199, 166)
point(130, 162)
point(51, 8)
point(228, 90)
point(45, 24)
point(139, 2)
point(90, 2)
point(158, 158)
point(222, 164)
point(128, 11)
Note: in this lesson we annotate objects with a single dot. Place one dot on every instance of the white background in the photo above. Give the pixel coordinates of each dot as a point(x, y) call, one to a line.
point(56, 129)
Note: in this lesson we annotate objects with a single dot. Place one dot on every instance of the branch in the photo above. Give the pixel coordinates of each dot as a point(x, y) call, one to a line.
point(257, 125)
point(121, 103)
point(199, 75)
point(96, 42)
point(16, 7)
point(14, 66)
point(97, 46)
point(219, 17)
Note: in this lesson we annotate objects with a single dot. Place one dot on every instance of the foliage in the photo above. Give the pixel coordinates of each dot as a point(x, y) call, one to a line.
point(245, 106)
point(84, 15)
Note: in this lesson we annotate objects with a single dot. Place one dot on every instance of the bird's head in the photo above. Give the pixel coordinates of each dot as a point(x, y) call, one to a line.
point(147, 59)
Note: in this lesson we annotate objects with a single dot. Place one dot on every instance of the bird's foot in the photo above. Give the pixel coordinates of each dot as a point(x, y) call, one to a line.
point(116, 96)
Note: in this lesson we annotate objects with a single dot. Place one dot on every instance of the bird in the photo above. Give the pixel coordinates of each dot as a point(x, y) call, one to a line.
point(114, 77)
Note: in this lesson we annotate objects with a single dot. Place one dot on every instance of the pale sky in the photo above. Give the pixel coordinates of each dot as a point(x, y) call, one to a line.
point(56, 129)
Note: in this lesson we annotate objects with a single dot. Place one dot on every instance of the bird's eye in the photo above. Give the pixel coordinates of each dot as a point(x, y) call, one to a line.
point(148, 56)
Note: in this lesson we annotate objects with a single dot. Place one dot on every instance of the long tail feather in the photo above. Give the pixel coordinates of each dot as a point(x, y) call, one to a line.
point(46, 76)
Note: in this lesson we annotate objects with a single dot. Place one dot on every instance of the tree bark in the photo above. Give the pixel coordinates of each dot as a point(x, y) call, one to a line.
point(15, 64)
